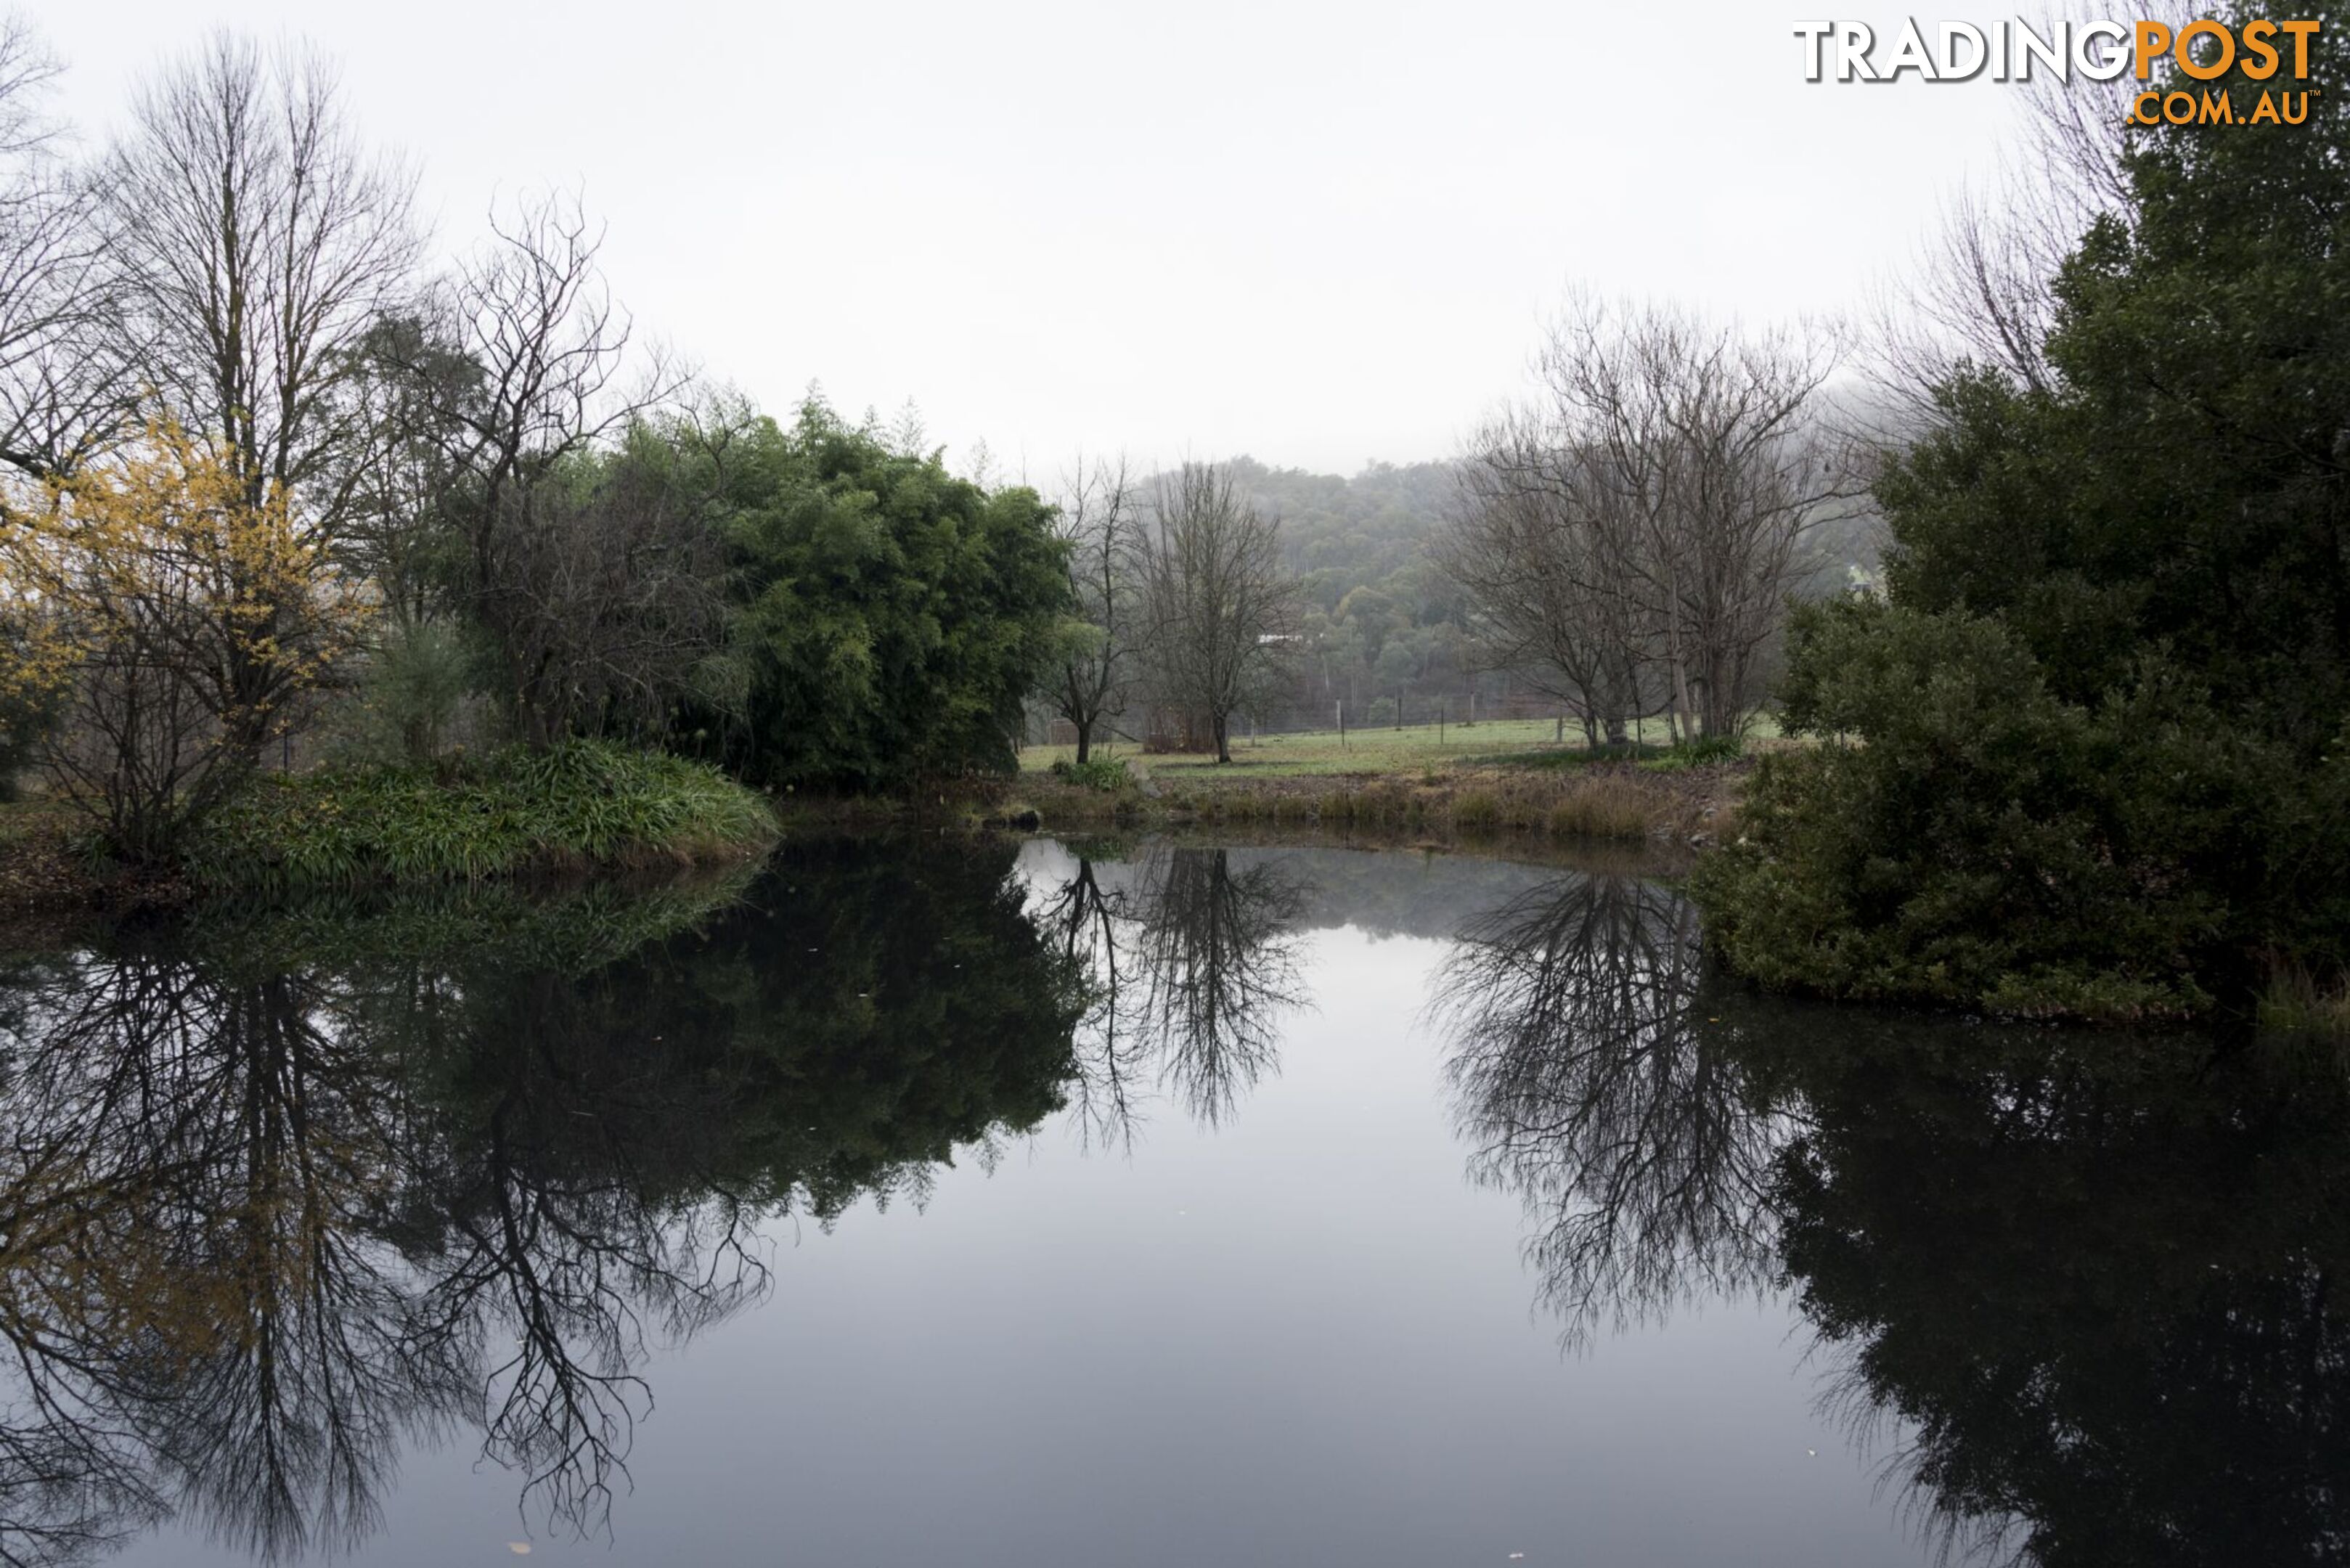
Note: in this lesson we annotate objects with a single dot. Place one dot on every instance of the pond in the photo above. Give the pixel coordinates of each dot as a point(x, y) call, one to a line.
point(981, 1202)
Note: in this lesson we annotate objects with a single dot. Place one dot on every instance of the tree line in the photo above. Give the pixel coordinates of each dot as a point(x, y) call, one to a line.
point(266, 454)
point(277, 477)
point(2089, 753)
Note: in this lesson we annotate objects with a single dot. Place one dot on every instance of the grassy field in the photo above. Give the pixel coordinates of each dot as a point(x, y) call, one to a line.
point(1319, 753)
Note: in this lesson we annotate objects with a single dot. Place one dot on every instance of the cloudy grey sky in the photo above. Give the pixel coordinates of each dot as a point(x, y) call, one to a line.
point(1318, 234)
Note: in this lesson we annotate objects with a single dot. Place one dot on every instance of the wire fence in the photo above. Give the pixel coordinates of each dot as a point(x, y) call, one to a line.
point(1468, 714)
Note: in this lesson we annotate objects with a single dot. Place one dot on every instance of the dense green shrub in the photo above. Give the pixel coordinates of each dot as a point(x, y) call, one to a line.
point(1962, 835)
point(1704, 751)
point(2091, 759)
point(579, 803)
point(891, 618)
point(1107, 774)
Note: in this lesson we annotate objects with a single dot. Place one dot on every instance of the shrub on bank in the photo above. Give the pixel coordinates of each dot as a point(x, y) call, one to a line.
point(515, 811)
point(1705, 752)
point(1105, 774)
point(1607, 808)
point(1963, 836)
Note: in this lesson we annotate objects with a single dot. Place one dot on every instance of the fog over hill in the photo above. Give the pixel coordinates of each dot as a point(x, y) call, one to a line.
point(1379, 617)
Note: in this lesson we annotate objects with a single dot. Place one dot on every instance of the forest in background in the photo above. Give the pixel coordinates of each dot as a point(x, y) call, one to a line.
point(1381, 621)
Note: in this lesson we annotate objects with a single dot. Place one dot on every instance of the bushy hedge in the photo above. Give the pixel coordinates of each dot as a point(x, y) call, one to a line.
point(584, 803)
point(1961, 835)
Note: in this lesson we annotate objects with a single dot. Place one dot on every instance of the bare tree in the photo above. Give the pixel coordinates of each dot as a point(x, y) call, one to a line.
point(1220, 609)
point(1526, 546)
point(1982, 291)
point(597, 584)
point(65, 386)
point(1101, 521)
point(1646, 510)
point(254, 244)
point(259, 242)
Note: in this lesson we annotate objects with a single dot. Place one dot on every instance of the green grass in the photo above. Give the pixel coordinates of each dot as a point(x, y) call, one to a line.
point(583, 803)
point(1522, 743)
point(2294, 1002)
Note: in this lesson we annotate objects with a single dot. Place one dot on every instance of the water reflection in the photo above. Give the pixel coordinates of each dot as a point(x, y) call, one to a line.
point(1191, 958)
point(286, 1196)
point(279, 1201)
point(2096, 1280)
point(2078, 1291)
point(1585, 1084)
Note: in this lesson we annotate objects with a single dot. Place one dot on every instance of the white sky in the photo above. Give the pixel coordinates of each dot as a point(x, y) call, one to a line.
point(1318, 233)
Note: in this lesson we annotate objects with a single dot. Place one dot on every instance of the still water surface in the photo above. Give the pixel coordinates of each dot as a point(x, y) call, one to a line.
point(1140, 1204)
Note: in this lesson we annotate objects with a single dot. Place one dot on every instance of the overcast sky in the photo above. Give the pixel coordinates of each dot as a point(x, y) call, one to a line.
point(1320, 235)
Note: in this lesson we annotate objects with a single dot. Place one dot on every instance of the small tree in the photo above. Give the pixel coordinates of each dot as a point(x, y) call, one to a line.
point(544, 493)
point(171, 624)
point(1101, 521)
point(1222, 614)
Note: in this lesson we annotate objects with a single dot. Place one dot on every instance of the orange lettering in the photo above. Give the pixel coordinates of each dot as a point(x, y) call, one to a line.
point(2219, 62)
point(2258, 47)
point(2300, 31)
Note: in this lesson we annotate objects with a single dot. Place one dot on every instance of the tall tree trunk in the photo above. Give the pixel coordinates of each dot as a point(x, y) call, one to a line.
point(1085, 742)
point(1224, 740)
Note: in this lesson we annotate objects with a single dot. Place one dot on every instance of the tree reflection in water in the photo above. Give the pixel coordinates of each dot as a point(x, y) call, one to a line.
point(1582, 1085)
point(1191, 958)
point(280, 1197)
point(2094, 1279)
point(266, 1219)
point(2083, 1287)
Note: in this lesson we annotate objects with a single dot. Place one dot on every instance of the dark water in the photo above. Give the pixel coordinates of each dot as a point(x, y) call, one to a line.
point(975, 1205)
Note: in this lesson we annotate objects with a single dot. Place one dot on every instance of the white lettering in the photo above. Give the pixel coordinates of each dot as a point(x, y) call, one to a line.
point(2085, 59)
point(1812, 33)
point(1947, 65)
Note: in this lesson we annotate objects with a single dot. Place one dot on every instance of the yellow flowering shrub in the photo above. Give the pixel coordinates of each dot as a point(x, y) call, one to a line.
point(167, 616)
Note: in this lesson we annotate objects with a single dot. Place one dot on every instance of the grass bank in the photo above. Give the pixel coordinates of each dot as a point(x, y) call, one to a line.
point(1594, 798)
point(2294, 1001)
point(579, 806)
point(1415, 749)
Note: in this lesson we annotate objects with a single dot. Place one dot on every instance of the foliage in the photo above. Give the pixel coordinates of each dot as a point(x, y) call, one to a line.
point(417, 678)
point(2098, 765)
point(1106, 774)
point(1965, 835)
point(518, 810)
point(2091, 1278)
point(171, 623)
point(890, 618)
point(1703, 751)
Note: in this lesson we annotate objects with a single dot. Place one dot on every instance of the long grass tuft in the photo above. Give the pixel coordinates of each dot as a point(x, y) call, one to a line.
point(579, 805)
